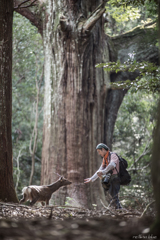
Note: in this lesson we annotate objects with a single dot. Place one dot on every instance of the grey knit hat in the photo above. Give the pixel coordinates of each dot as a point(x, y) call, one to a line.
point(102, 145)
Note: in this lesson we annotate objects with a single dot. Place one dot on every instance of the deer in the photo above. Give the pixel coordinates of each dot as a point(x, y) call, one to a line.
point(42, 193)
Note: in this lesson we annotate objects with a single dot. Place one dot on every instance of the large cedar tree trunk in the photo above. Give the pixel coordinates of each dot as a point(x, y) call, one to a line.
point(75, 96)
point(7, 191)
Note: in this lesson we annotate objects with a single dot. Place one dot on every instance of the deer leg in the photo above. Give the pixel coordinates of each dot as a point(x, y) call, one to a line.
point(47, 202)
point(23, 199)
point(33, 201)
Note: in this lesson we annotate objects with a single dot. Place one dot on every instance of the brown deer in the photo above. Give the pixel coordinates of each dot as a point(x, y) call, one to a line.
point(42, 193)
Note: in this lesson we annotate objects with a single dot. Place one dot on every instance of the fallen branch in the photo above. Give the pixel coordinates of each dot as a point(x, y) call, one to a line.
point(107, 208)
point(118, 214)
point(146, 209)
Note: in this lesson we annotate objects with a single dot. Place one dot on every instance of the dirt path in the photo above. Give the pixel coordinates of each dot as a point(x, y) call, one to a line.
point(19, 222)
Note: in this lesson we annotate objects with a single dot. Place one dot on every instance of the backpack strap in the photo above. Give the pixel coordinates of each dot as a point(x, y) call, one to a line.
point(118, 160)
point(119, 165)
point(117, 171)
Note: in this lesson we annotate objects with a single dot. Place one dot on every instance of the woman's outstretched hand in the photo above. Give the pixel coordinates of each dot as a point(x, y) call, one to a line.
point(87, 180)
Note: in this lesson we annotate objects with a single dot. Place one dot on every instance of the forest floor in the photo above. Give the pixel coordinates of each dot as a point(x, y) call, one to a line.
point(20, 222)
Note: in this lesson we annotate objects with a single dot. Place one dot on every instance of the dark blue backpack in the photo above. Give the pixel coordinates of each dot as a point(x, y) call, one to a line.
point(123, 174)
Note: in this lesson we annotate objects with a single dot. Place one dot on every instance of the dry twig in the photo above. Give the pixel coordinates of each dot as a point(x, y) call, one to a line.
point(107, 208)
point(146, 209)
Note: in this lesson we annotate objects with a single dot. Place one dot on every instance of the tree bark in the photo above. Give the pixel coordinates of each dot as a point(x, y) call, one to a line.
point(7, 191)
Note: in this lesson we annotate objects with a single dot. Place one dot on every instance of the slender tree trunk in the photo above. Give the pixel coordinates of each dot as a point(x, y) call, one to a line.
point(7, 191)
point(156, 171)
point(34, 136)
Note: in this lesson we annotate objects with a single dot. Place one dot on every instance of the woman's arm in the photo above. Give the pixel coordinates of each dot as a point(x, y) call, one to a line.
point(94, 177)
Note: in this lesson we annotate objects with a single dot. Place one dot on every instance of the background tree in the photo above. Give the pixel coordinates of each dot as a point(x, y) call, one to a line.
point(7, 191)
point(76, 93)
point(156, 155)
point(155, 172)
point(27, 71)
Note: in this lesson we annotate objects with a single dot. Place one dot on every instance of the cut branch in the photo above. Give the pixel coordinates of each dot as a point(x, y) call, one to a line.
point(91, 21)
point(99, 7)
point(64, 24)
point(94, 17)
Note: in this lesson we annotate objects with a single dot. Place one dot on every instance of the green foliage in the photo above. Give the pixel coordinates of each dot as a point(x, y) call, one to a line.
point(27, 67)
point(148, 75)
point(122, 15)
point(135, 122)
